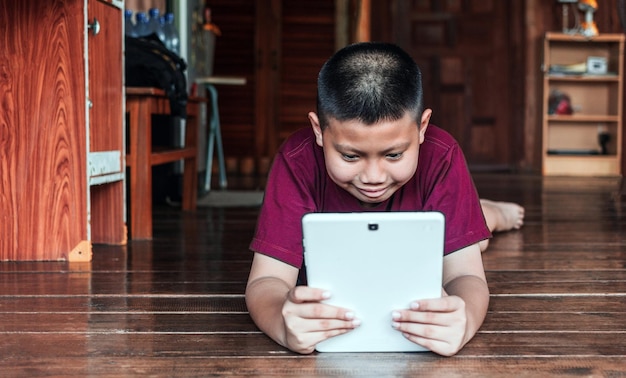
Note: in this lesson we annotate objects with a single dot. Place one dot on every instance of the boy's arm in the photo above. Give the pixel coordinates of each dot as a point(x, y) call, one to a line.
point(292, 316)
point(464, 276)
point(444, 325)
point(266, 293)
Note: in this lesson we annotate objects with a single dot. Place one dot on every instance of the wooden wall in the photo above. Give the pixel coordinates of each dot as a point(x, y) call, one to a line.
point(145, 5)
point(280, 45)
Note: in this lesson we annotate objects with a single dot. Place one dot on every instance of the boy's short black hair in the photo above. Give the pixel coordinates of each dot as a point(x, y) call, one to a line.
point(369, 82)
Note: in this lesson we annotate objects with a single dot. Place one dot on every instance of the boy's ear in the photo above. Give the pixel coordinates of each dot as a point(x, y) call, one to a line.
point(317, 129)
point(424, 122)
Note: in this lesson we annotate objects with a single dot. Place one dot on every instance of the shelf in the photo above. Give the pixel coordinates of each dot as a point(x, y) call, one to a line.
point(583, 77)
point(580, 118)
point(571, 143)
point(576, 165)
point(574, 153)
point(561, 37)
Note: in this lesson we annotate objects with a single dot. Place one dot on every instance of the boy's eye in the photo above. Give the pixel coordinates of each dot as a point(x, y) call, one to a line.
point(349, 157)
point(395, 156)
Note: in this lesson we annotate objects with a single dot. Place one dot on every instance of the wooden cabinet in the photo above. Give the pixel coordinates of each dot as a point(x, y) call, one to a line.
point(582, 109)
point(61, 128)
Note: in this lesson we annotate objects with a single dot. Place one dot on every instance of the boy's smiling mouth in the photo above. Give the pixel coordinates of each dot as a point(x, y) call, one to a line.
point(372, 193)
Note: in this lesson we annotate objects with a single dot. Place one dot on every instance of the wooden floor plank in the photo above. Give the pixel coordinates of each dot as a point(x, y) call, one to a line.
point(327, 366)
point(555, 303)
point(486, 345)
point(236, 303)
point(122, 302)
point(127, 322)
point(193, 322)
point(130, 288)
point(561, 288)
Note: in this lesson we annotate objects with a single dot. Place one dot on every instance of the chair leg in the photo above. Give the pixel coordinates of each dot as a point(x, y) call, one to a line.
point(209, 158)
point(215, 137)
point(220, 157)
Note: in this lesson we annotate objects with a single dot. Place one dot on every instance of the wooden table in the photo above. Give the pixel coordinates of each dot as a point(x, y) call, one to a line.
point(141, 104)
point(214, 132)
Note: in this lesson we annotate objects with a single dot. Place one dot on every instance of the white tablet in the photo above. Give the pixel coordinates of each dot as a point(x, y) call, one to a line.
point(374, 263)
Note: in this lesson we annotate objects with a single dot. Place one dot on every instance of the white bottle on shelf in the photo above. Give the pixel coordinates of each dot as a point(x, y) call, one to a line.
point(153, 22)
point(141, 27)
point(160, 32)
point(171, 34)
point(128, 24)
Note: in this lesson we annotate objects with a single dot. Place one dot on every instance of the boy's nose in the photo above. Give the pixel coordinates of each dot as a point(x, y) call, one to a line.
point(374, 173)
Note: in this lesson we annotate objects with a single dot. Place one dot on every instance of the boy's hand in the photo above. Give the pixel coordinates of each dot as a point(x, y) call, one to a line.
point(308, 321)
point(437, 324)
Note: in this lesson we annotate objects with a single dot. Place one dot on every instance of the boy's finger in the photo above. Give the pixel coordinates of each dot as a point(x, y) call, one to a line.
point(324, 311)
point(301, 294)
point(444, 304)
point(330, 324)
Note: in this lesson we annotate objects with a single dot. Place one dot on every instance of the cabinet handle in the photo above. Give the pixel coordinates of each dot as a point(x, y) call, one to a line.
point(94, 26)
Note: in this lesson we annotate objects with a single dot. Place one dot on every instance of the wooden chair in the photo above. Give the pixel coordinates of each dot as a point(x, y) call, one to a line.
point(141, 104)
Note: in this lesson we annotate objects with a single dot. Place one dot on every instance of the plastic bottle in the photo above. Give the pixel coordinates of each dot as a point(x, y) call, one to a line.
point(171, 34)
point(160, 32)
point(153, 23)
point(128, 24)
point(141, 27)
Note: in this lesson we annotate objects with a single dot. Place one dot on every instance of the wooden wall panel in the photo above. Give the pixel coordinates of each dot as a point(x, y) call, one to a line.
point(460, 41)
point(461, 47)
point(235, 54)
point(279, 46)
point(454, 120)
point(307, 41)
point(145, 5)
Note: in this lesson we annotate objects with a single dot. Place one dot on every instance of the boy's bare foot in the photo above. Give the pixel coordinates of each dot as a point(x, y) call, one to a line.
point(502, 216)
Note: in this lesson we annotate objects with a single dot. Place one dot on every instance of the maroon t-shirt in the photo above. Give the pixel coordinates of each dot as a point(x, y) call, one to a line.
point(298, 184)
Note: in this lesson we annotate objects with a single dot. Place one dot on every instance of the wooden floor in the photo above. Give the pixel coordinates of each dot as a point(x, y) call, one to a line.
point(175, 306)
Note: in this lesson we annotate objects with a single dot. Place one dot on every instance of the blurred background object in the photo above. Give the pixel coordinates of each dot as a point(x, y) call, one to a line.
point(588, 27)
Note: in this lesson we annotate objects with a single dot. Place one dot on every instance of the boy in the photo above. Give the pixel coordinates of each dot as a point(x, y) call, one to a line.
point(361, 154)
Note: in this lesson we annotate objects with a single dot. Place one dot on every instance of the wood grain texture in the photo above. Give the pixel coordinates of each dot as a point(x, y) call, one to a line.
point(175, 306)
point(42, 123)
point(45, 202)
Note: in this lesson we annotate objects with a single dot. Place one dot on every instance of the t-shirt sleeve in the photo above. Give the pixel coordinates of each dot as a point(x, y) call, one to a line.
point(287, 198)
point(451, 190)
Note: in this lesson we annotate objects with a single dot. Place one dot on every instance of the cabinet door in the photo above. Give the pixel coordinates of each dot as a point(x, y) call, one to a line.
point(106, 124)
point(43, 191)
point(467, 66)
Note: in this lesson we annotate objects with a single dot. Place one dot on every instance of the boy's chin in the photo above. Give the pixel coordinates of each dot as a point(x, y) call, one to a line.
point(372, 202)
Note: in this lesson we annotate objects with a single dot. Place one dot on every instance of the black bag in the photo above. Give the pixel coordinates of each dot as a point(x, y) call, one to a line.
point(148, 63)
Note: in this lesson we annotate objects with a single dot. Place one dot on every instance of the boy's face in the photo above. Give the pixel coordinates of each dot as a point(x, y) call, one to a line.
point(371, 162)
